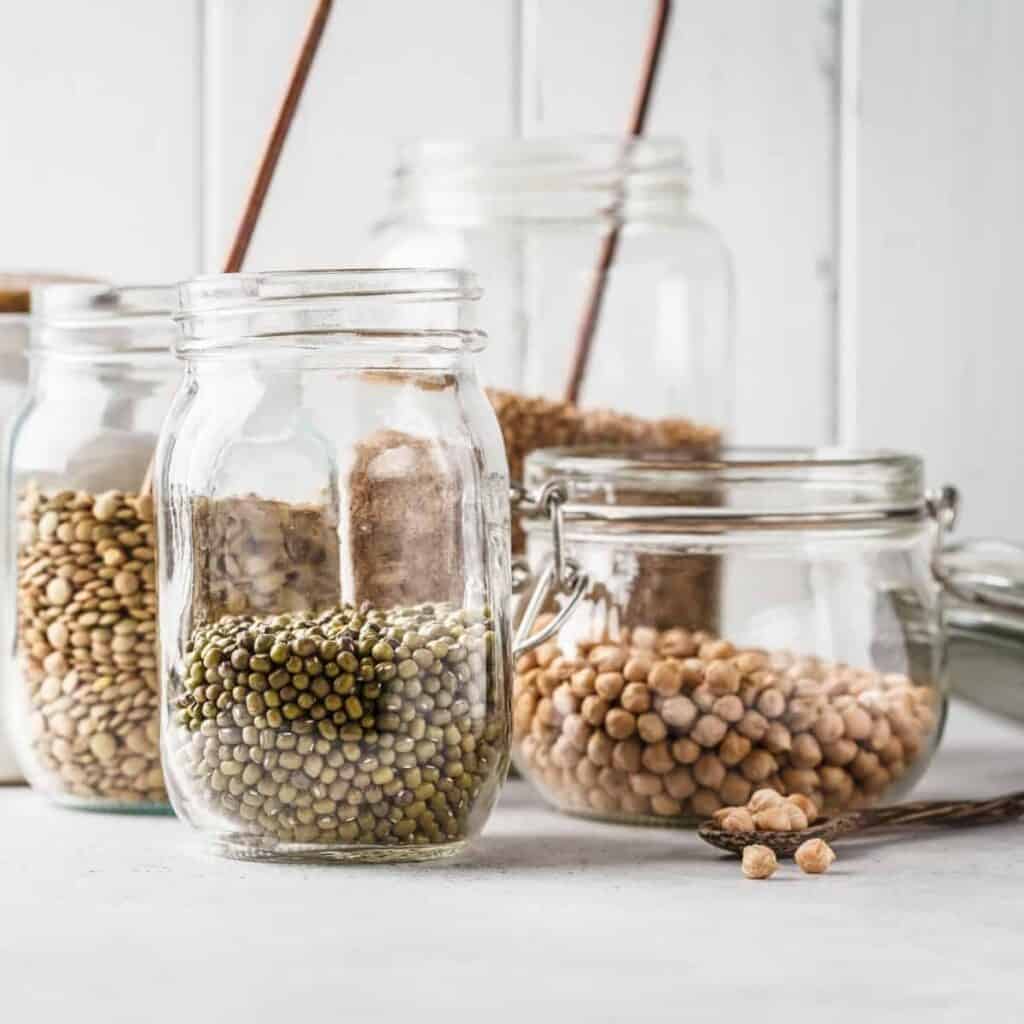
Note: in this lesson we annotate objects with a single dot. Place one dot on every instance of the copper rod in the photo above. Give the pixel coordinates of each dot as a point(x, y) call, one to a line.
point(609, 245)
point(278, 135)
point(268, 162)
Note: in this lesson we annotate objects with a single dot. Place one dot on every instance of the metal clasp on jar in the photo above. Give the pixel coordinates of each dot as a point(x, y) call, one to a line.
point(562, 575)
point(996, 591)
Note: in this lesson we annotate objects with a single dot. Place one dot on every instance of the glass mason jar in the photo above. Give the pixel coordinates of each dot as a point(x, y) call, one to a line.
point(83, 684)
point(14, 306)
point(533, 218)
point(825, 674)
point(335, 570)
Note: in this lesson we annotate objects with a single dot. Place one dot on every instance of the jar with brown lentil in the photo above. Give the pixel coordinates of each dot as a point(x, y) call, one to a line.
point(334, 522)
point(817, 680)
point(84, 694)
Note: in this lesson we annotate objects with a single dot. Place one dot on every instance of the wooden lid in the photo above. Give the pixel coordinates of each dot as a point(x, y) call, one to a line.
point(16, 288)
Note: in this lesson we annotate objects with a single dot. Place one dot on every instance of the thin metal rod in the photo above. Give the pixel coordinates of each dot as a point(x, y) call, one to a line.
point(268, 162)
point(610, 243)
point(278, 135)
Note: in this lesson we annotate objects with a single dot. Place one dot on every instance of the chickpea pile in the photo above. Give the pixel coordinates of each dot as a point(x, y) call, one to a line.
point(87, 645)
point(769, 811)
point(670, 726)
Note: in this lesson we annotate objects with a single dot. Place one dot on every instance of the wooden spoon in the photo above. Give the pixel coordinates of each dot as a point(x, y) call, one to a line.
point(955, 813)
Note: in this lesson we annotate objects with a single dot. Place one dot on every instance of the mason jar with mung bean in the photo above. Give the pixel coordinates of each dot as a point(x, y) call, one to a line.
point(334, 526)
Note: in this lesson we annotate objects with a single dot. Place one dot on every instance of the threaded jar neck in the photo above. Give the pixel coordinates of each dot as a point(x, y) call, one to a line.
point(101, 321)
point(398, 310)
point(544, 180)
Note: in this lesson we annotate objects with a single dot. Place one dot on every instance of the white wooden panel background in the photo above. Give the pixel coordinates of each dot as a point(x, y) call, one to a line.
point(130, 132)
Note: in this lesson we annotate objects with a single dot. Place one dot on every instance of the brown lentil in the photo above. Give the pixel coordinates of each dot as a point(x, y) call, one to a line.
point(86, 647)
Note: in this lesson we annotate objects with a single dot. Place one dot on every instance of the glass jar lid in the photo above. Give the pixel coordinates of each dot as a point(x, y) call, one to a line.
point(756, 487)
point(93, 319)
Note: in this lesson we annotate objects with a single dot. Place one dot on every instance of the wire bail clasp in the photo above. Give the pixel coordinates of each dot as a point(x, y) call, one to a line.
point(562, 575)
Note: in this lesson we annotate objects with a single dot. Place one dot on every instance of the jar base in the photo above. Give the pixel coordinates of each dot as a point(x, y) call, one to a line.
point(110, 806)
point(238, 846)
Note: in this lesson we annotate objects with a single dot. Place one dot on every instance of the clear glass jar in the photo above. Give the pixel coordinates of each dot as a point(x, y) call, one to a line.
point(13, 377)
point(824, 675)
point(531, 217)
point(83, 683)
point(334, 523)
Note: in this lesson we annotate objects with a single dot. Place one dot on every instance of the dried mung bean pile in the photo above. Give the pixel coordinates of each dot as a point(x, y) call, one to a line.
point(676, 724)
point(353, 726)
point(87, 643)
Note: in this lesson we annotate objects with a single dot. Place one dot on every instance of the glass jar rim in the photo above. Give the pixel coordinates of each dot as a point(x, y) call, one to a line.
point(101, 319)
point(407, 309)
point(611, 153)
point(757, 485)
point(548, 179)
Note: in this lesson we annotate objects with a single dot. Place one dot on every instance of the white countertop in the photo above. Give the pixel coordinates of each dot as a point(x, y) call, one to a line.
point(111, 918)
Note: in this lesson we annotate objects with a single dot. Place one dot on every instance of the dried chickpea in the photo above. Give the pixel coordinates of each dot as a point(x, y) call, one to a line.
point(729, 708)
point(773, 819)
point(645, 783)
point(738, 819)
point(679, 713)
point(614, 782)
point(651, 727)
point(758, 766)
point(666, 678)
point(705, 802)
point(587, 773)
point(805, 752)
point(626, 756)
point(709, 731)
point(609, 685)
point(777, 739)
point(721, 677)
point(709, 771)
point(599, 748)
point(679, 783)
point(638, 668)
point(814, 857)
point(635, 698)
point(594, 709)
point(582, 682)
point(656, 758)
point(693, 672)
point(735, 789)
point(685, 751)
point(806, 804)
point(753, 725)
point(734, 748)
point(619, 723)
point(763, 799)
point(665, 806)
point(759, 862)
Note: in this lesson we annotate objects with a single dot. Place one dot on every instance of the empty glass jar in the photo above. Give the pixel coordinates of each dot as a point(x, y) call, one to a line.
point(334, 523)
point(539, 220)
point(822, 670)
point(82, 686)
